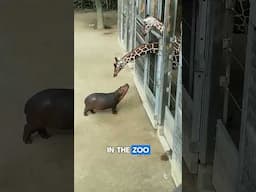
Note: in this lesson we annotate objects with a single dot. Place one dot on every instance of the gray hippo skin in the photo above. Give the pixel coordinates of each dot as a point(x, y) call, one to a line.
point(49, 109)
point(101, 101)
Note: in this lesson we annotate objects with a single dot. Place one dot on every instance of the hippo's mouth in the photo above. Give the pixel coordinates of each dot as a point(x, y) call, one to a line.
point(124, 90)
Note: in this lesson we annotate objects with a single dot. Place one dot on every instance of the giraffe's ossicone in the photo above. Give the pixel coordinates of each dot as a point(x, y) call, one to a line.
point(143, 49)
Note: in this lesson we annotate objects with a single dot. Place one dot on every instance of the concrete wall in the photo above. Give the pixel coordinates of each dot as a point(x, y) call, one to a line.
point(36, 52)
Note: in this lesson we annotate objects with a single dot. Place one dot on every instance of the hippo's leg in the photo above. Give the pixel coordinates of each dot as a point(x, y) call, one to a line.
point(85, 111)
point(114, 111)
point(92, 111)
point(43, 133)
point(27, 134)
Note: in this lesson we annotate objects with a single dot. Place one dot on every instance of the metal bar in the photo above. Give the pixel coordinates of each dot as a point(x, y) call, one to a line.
point(227, 53)
point(159, 8)
point(156, 34)
point(237, 61)
point(159, 81)
point(235, 101)
point(192, 49)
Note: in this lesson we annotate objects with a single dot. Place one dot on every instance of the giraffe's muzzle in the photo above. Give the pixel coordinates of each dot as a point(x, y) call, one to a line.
point(117, 69)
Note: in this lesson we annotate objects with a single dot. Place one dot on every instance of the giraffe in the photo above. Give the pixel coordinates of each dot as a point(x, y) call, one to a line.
point(175, 53)
point(175, 44)
point(241, 16)
point(134, 54)
point(150, 22)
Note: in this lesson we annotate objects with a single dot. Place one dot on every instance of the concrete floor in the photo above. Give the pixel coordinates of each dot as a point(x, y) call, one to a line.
point(95, 169)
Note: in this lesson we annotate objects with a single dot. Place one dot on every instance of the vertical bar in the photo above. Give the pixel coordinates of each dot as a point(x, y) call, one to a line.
point(228, 23)
point(159, 83)
point(201, 82)
point(148, 10)
point(119, 19)
point(192, 51)
point(159, 8)
point(248, 111)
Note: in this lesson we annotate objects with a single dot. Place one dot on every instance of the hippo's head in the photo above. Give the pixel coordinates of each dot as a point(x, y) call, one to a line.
point(118, 66)
point(122, 91)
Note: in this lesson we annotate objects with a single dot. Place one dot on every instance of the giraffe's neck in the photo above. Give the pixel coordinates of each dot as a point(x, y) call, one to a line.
point(176, 43)
point(140, 51)
point(175, 55)
point(159, 26)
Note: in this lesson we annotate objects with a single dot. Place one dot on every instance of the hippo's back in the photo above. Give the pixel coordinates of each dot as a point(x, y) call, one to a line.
point(100, 100)
point(51, 108)
point(48, 97)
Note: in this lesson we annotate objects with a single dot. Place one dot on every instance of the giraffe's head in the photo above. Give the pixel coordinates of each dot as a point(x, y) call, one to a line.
point(118, 66)
point(146, 29)
point(148, 22)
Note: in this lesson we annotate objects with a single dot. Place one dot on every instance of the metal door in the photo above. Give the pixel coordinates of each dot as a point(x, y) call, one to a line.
point(172, 79)
point(173, 121)
point(172, 128)
point(149, 68)
point(141, 7)
point(247, 147)
point(228, 128)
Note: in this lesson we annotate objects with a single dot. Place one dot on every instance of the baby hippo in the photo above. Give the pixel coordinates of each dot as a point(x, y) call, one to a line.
point(50, 109)
point(101, 101)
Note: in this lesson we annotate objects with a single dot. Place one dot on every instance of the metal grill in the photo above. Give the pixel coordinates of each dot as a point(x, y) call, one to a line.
point(235, 44)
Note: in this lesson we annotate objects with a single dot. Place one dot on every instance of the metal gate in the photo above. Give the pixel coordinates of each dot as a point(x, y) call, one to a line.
point(149, 68)
point(190, 77)
point(172, 127)
point(158, 83)
point(229, 127)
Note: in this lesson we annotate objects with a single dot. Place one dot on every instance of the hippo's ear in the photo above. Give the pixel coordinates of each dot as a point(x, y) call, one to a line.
point(114, 65)
point(116, 59)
